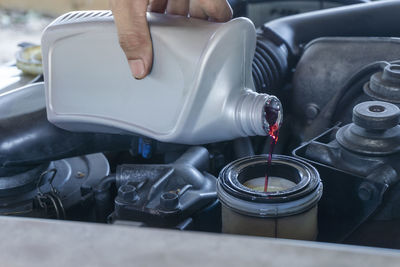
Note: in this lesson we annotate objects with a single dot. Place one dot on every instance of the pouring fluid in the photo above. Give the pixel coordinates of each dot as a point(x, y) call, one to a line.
point(271, 116)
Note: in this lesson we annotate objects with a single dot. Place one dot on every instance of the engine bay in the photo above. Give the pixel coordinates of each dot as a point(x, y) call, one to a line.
point(337, 75)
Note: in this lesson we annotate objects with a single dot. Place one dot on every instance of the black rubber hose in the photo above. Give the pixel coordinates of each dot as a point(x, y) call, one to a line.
point(30, 139)
point(104, 203)
point(240, 6)
point(269, 65)
point(280, 41)
point(378, 19)
point(105, 183)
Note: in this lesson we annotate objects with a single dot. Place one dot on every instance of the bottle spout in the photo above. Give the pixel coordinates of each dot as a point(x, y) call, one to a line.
point(258, 114)
point(273, 116)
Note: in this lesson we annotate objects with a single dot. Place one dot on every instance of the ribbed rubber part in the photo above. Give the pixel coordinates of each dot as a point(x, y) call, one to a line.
point(269, 66)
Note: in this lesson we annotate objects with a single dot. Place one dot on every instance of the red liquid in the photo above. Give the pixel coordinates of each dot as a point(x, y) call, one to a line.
point(271, 115)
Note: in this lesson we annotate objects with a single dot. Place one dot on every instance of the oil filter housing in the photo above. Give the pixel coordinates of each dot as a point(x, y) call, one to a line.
point(289, 211)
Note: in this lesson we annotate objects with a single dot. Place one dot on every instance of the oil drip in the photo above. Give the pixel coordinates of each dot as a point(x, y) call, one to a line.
point(271, 116)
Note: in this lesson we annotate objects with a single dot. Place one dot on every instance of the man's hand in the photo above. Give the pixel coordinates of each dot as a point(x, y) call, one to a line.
point(133, 30)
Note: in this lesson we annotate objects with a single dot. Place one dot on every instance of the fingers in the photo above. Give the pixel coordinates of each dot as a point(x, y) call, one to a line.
point(196, 10)
point(158, 6)
point(178, 7)
point(217, 10)
point(134, 35)
point(133, 30)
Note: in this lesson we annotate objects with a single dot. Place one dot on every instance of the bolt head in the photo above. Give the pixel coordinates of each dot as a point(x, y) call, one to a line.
point(366, 191)
point(312, 111)
point(376, 115)
point(169, 200)
point(128, 193)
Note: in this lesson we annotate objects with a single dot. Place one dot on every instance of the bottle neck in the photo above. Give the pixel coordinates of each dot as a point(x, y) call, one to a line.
point(251, 114)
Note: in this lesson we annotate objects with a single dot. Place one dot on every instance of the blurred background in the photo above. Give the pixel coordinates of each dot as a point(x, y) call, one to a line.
point(24, 20)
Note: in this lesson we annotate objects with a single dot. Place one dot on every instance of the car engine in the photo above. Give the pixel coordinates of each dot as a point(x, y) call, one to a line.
point(336, 72)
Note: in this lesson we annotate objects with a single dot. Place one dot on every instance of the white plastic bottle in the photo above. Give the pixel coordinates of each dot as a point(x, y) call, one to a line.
point(200, 89)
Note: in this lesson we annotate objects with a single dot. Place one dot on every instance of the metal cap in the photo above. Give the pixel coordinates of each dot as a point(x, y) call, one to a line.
point(376, 115)
point(385, 85)
point(375, 131)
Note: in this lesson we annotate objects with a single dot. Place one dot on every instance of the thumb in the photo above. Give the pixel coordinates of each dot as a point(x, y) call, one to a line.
point(134, 34)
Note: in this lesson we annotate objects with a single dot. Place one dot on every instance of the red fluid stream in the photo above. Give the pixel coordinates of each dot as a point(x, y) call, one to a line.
point(273, 133)
point(271, 116)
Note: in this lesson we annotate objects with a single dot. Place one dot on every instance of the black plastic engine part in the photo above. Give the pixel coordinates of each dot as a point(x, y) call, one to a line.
point(326, 86)
point(348, 199)
point(52, 189)
point(165, 195)
point(30, 139)
point(287, 36)
point(21, 183)
point(359, 186)
point(27, 138)
point(371, 19)
point(270, 64)
point(240, 7)
point(98, 198)
point(375, 131)
point(385, 85)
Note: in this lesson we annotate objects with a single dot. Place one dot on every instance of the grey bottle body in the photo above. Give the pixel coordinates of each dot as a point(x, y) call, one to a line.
point(200, 89)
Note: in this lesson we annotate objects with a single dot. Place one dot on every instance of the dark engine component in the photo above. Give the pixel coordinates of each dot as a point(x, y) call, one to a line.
point(270, 64)
point(288, 36)
point(260, 11)
point(50, 190)
point(28, 139)
point(158, 184)
point(326, 86)
point(165, 195)
point(372, 19)
point(385, 85)
point(358, 164)
point(375, 131)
